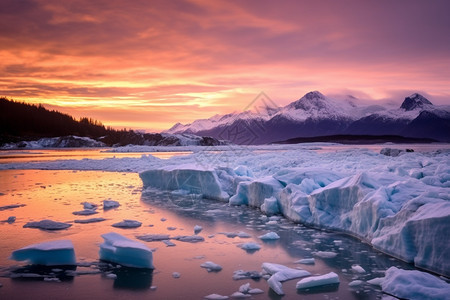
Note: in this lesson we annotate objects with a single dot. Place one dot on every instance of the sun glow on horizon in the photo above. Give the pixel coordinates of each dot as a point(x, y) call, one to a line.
point(131, 66)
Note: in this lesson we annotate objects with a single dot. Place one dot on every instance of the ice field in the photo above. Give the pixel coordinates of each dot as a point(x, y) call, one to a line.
point(398, 205)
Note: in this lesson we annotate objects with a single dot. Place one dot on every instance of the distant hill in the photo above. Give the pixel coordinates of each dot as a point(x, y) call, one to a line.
point(316, 115)
point(21, 123)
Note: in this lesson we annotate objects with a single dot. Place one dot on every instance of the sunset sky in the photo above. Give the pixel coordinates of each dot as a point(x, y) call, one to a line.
point(150, 64)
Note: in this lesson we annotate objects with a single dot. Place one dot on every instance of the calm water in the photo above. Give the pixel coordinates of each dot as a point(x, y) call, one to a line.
point(56, 194)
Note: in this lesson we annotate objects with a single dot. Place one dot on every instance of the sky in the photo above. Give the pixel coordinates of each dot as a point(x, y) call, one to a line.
point(149, 64)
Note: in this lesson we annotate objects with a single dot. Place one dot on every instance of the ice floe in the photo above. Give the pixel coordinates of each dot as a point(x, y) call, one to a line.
point(121, 250)
point(280, 273)
point(313, 281)
point(413, 284)
point(306, 261)
point(153, 237)
point(189, 238)
point(47, 225)
point(108, 204)
point(91, 220)
point(211, 266)
point(127, 224)
point(85, 212)
point(269, 236)
point(250, 246)
point(216, 297)
point(51, 253)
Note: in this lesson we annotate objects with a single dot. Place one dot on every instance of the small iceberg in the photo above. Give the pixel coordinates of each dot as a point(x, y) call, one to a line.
point(211, 267)
point(47, 225)
point(281, 273)
point(269, 236)
point(330, 278)
point(108, 204)
point(52, 253)
point(127, 224)
point(85, 212)
point(91, 220)
point(121, 250)
point(189, 238)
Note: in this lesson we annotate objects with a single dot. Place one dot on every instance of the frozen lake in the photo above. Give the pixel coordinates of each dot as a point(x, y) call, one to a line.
point(56, 194)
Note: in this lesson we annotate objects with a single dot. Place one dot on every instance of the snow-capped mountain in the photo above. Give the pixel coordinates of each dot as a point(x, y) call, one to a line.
point(317, 115)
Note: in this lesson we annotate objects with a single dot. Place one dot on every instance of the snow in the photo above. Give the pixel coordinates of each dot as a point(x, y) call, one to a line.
point(52, 253)
point(269, 236)
point(313, 281)
point(121, 250)
point(127, 224)
point(211, 266)
point(47, 225)
point(414, 284)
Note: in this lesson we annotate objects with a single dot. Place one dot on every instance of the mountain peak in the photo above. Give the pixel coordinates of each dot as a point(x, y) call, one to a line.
point(309, 101)
point(314, 95)
point(415, 101)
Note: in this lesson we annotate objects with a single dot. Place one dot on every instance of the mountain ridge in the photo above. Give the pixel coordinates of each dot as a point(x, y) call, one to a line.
point(315, 114)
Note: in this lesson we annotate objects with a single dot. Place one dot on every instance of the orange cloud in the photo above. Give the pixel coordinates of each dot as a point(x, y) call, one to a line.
point(148, 65)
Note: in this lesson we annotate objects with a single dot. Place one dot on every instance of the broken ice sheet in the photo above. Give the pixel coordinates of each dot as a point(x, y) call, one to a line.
point(51, 253)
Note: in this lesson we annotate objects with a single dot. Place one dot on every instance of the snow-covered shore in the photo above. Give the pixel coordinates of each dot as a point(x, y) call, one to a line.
point(400, 205)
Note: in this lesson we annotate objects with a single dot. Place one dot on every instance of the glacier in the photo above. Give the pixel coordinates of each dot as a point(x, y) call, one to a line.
point(51, 253)
point(400, 205)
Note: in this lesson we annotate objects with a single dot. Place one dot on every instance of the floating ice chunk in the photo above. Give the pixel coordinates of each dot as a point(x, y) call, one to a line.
point(108, 204)
point(281, 273)
point(330, 278)
point(239, 295)
point(111, 276)
point(306, 261)
point(176, 275)
point(197, 229)
point(189, 238)
point(168, 243)
point(243, 235)
point(153, 237)
point(11, 206)
point(171, 228)
point(270, 236)
point(250, 246)
point(91, 220)
point(211, 267)
point(241, 274)
point(325, 254)
point(126, 252)
point(358, 269)
point(50, 253)
point(127, 224)
point(89, 205)
point(355, 283)
point(85, 212)
point(255, 291)
point(414, 285)
point(216, 297)
point(47, 225)
point(11, 219)
point(376, 281)
point(244, 288)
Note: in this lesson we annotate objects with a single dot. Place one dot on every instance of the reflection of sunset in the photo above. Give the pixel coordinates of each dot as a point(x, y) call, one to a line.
point(133, 66)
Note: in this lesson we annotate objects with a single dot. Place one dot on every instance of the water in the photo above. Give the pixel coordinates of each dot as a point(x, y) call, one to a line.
point(56, 194)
